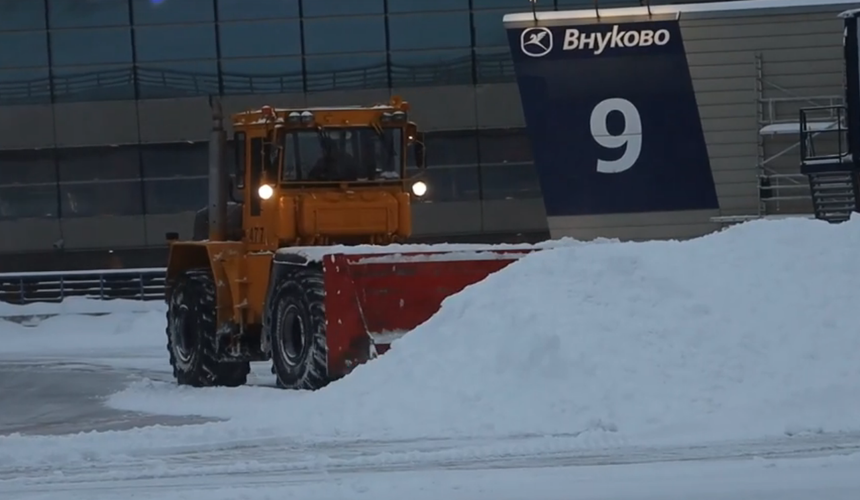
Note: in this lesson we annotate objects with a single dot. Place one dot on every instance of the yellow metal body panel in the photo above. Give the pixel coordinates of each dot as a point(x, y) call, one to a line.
point(241, 278)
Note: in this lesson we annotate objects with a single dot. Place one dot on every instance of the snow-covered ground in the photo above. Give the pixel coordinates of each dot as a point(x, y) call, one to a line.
point(590, 368)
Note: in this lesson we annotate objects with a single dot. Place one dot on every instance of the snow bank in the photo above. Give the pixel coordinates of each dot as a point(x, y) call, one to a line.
point(80, 305)
point(745, 333)
point(73, 336)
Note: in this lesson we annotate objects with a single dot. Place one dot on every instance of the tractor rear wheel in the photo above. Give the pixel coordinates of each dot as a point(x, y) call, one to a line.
point(191, 329)
point(299, 349)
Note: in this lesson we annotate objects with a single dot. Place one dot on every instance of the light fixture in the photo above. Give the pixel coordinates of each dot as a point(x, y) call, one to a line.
point(265, 191)
point(419, 189)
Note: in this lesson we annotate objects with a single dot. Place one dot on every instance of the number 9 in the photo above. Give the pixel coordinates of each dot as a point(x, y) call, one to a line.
point(631, 136)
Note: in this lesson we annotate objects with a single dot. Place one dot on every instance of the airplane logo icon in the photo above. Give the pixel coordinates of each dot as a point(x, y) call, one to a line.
point(536, 42)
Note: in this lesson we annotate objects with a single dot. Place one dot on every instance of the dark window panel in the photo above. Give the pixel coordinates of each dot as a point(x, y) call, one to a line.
point(22, 15)
point(514, 5)
point(28, 86)
point(185, 79)
point(23, 49)
point(446, 30)
point(27, 166)
point(29, 202)
point(489, 30)
point(175, 195)
point(457, 147)
point(261, 39)
point(94, 199)
point(175, 43)
point(345, 34)
point(86, 14)
point(398, 6)
point(589, 4)
point(174, 160)
point(234, 10)
point(104, 163)
point(504, 146)
point(510, 182)
point(494, 65)
point(91, 46)
point(434, 67)
point(320, 8)
point(93, 83)
point(451, 184)
point(173, 11)
point(262, 76)
point(348, 71)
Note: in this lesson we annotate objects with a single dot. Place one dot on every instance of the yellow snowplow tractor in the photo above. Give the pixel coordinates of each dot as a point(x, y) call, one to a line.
point(261, 280)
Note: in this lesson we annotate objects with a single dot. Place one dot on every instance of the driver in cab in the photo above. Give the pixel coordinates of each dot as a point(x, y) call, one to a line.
point(334, 164)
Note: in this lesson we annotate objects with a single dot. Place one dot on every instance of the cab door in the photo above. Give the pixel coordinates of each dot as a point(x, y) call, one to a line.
point(264, 157)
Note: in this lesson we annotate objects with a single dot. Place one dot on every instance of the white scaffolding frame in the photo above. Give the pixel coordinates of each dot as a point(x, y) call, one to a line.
point(782, 187)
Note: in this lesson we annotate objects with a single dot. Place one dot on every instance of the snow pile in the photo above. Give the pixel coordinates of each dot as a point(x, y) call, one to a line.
point(74, 336)
point(745, 333)
point(80, 305)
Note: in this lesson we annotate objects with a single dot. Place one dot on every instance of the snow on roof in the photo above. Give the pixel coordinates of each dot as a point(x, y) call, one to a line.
point(794, 127)
point(318, 108)
point(674, 9)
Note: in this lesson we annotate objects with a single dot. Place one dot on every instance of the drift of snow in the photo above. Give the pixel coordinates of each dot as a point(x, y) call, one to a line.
point(745, 333)
point(84, 334)
point(80, 305)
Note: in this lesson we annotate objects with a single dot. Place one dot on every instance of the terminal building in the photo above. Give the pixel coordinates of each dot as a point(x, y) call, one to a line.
point(104, 114)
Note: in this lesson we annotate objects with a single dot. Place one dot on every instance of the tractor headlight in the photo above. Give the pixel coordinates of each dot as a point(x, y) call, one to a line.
point(265, 191)
point(419, 189)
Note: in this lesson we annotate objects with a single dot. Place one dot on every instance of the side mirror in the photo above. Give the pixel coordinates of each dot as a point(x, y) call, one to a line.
point(419, 154)
point(415, 140)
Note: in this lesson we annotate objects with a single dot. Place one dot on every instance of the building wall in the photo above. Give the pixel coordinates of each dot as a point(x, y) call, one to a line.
point(103, 107)
point(746, 67)
point(749, 69)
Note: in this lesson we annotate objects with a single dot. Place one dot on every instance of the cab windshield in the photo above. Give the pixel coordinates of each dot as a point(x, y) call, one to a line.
point(342, 154)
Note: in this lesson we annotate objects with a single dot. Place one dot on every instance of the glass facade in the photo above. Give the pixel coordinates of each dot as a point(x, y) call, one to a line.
point(84, 50)
point(76, 51)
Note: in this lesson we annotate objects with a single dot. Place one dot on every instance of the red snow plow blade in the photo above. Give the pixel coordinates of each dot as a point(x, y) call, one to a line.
point(372, 299)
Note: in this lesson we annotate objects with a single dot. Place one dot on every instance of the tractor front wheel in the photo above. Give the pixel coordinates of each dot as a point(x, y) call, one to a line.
point(191, 330)
point(299, 349)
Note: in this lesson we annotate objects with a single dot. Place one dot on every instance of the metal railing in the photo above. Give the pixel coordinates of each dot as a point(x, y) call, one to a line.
point(107, 284)
point(485, 68)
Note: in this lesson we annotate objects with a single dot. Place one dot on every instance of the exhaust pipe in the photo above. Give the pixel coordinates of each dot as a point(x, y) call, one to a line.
point(217, 174)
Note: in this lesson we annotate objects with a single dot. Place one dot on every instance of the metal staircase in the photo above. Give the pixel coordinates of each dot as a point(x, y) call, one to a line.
point(830, 168)
point(833, 195)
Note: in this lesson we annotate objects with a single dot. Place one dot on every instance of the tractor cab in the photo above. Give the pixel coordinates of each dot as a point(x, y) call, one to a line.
point(333, 148)
point(320, 176)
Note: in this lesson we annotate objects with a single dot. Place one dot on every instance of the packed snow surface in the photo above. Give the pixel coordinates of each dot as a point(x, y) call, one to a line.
point(746, 333)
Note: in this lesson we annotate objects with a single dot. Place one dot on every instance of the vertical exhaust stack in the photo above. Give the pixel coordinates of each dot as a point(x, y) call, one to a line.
point(217, 174)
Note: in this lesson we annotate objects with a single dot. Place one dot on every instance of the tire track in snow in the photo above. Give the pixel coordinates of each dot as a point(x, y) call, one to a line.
point(277, 460)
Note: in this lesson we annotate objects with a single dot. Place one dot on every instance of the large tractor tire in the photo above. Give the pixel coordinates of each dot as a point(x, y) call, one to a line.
point(191, 335)
point(297, 326)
